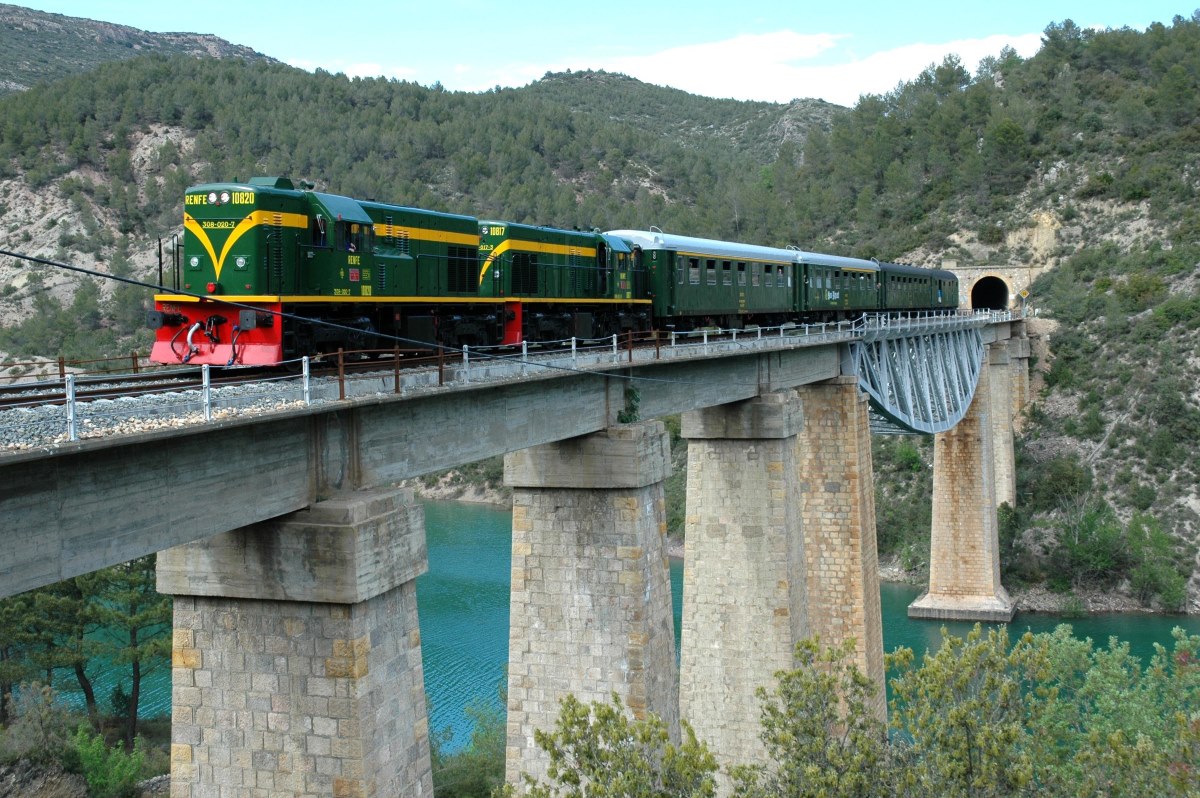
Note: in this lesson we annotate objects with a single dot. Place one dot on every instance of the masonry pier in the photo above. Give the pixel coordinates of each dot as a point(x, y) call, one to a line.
point(964, 561)
point(1001, 401)
point(744, 585)
point(837, 493)
point(591, 594)
point(296, 661)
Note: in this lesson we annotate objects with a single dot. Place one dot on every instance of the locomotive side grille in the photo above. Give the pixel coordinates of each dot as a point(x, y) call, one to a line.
point(275, 250)
point(461, 274)
point(524, 274)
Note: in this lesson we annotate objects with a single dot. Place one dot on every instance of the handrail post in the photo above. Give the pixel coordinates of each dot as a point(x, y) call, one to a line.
point(62, 367)
point(657, 346)
point(441, 350)
point(466, 350)
point(706, 340)
point(72, 427)
point(133, 356)
point(614, 346)
point(396, 366)
point(572, 350)
point(524, 356)
point(672, 339)
point(206, 383)
point(631, 346)
point(305, 370)
point(341, 374)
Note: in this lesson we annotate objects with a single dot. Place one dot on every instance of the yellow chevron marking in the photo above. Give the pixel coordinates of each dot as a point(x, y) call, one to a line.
point(251, 221)
point(532, 246)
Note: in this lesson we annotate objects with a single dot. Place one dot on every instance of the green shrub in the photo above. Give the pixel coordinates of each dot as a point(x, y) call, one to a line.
point(110, 772)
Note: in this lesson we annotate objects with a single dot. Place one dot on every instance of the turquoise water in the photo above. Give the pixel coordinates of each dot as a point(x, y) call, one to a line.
point(463, 606)
point(463, 603)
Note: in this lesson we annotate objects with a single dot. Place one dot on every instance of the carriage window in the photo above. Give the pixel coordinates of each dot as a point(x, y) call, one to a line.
point(770, 275)
point(741, 273)
point(755, 274)
point(726, 273)
point(679, 269)
point(694, 271)
point(710, 270)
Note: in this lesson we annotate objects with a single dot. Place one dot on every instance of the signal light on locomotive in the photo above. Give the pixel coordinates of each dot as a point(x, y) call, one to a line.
point(212, 288)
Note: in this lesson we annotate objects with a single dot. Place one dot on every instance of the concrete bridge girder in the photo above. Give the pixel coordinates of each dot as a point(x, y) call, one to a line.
point(88, 505)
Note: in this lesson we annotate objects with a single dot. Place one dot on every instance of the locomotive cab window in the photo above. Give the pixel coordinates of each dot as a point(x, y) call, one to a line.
point(350, 237)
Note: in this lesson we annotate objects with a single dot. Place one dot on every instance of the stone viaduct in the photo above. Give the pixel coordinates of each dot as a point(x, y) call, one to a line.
point(293, 558)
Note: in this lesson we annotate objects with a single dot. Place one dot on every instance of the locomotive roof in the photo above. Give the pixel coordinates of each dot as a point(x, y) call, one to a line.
point(342, 208)
point(387, 206)
point(730, 250)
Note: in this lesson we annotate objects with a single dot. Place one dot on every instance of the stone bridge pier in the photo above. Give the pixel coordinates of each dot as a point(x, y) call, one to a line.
point(970, 479)
point(780, 546)
point(296, 660)
point(590, 611)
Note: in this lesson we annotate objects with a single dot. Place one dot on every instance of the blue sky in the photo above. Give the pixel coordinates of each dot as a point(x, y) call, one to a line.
point(772, 50)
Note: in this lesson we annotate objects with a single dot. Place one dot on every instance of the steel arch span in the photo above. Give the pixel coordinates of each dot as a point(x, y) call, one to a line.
point(920, 379)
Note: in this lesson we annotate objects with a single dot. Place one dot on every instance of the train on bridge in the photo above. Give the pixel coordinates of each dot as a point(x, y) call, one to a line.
point(271, 271)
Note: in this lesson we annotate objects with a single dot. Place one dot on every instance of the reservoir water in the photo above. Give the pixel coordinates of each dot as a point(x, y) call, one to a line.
point(463, 607)
point(463, 604)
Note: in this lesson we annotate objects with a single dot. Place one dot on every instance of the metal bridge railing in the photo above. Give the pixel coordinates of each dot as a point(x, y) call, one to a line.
point(69, 417)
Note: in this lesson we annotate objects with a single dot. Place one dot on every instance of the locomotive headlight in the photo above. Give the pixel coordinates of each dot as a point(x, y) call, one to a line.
point(224, 197)
point(212, 198)
point(195, 261)
point(241, 263)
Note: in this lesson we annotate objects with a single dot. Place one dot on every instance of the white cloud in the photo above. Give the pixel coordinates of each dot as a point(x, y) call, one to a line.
point(776, 67)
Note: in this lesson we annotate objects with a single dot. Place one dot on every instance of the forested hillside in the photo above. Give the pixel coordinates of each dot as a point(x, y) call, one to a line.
point(1095, 140)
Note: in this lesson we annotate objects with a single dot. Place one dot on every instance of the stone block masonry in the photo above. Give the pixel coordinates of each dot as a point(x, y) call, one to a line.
point(314, 687)
point(591, 594)
point(837, 493)
point(1000, 379)
point(964, 558)
point(744, 588)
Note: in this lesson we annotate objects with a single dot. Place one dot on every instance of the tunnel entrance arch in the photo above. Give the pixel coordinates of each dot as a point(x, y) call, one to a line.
point(990, 293)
